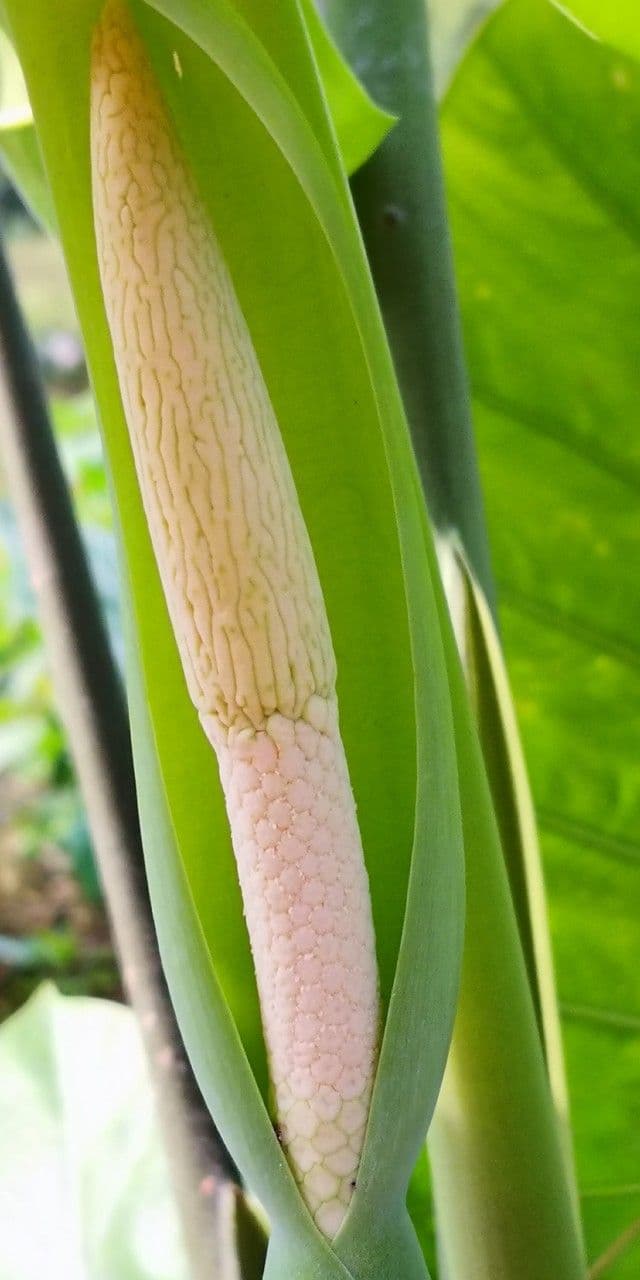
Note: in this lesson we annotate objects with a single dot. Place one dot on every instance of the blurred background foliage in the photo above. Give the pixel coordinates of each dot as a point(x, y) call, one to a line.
point(51, 916)
point(540, 136)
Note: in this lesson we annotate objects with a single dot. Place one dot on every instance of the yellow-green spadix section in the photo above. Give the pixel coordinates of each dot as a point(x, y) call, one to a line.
point(246, 605)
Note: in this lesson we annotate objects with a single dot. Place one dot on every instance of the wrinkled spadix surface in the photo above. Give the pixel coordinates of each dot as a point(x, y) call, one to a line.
point(247, 609)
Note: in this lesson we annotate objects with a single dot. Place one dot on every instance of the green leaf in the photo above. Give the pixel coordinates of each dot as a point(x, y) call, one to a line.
point(22, 160)
point(495, 1084)
point(488, 685)
point(84, 1181)
point(453, 25)
point(13, 91)
point(539, 135)
point(617, 25)
point(360, 125)
point(18, 143)
point(298, 267)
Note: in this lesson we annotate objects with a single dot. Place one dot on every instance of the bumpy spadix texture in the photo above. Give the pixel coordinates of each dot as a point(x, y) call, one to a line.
point(245, 601)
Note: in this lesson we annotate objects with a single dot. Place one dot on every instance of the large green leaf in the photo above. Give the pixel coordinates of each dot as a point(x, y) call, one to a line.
point(617, 24)
point(85, 1188)
point(540, 137)
point(300, 274)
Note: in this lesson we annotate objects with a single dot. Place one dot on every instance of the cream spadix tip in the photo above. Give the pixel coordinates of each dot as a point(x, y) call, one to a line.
point(246, 605)
point(233, 551)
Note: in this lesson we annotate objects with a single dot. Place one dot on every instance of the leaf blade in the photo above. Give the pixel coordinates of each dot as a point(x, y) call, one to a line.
point(552, 168)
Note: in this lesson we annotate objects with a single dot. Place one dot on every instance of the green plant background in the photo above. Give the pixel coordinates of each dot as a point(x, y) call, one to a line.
point(540, 137)
point(97, 1172)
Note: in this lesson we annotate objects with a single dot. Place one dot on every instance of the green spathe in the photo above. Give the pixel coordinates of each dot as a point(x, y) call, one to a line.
point(353, 469)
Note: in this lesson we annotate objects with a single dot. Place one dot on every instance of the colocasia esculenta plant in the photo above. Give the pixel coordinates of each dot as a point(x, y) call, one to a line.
point(309, 776)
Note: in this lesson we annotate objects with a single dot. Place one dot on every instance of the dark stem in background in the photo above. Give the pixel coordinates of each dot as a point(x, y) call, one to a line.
point(92, 705)
point(399, 197)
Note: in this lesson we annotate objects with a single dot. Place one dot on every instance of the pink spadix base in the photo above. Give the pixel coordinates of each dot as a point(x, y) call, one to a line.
point(306, 900)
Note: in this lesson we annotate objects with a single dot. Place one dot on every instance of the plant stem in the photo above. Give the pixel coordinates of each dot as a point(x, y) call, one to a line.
point(399, 197)
point(92, 705)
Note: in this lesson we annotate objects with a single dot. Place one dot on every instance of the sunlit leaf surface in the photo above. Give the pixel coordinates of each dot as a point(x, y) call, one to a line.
point(541, 133)
point(85, 1188)
point(616, 24)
